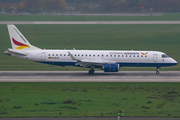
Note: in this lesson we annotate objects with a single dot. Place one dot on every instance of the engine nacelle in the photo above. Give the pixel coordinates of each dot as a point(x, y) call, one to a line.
point(111, 67)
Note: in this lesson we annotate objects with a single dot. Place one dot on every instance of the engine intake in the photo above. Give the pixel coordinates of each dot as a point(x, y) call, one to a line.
point(111, 67)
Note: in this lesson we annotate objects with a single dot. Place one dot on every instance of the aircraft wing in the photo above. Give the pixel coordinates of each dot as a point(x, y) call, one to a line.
point(85, 63)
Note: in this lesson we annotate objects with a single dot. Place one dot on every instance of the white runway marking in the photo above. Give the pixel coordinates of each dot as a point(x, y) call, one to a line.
point(83, 76)
point(89, 22)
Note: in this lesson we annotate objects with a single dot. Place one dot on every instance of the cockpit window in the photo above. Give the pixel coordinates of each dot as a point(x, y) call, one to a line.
point(165, 56)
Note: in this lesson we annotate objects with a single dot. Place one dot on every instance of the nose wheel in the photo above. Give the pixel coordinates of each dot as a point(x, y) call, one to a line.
point(157, 70)
point(91, 71)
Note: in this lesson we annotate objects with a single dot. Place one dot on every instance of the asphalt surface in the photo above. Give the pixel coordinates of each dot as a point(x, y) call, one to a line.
point(89, 22)
point(83, 76)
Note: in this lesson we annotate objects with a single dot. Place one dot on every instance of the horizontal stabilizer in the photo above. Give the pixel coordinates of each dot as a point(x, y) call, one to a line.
point(10, 52)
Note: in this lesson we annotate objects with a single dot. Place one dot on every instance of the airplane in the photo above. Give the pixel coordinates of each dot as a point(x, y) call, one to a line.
point(107, 60)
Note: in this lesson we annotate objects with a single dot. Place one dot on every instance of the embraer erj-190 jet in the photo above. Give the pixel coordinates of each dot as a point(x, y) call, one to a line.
point(107, 60)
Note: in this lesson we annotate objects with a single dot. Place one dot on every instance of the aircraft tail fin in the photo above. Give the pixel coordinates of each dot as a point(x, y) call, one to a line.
point(18, 41)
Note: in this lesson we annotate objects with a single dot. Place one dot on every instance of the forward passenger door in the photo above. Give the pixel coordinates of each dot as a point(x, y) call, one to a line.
point(155, 57)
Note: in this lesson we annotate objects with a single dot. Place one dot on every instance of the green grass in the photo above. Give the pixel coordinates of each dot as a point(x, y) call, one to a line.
point(89, 99)
point(163, 38)
point(166, 16)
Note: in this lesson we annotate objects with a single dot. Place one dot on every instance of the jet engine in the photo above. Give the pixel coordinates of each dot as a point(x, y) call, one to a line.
point(111, 67)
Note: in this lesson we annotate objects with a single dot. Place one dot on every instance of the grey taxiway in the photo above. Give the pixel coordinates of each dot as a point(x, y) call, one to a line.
point(83, 76)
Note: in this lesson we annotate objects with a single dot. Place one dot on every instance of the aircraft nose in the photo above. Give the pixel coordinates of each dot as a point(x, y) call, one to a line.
point(174, 62)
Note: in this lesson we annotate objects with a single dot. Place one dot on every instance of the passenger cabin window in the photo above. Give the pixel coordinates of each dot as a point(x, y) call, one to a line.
point(165, 56)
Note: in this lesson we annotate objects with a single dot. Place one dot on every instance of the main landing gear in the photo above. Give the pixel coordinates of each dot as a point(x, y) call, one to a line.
point(91, 71)
point(157, 70)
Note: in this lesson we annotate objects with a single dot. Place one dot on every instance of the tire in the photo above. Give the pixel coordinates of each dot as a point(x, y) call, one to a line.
point(91, 72)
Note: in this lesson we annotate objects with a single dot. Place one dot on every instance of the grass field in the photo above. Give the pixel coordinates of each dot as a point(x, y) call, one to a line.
point(89, 99)
point(166, 16)
point(163, 38)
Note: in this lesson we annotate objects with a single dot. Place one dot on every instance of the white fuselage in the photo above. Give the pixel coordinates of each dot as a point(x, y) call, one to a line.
point(123, 58)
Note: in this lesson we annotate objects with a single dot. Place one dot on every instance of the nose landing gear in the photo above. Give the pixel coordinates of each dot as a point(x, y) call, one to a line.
point(157, 70)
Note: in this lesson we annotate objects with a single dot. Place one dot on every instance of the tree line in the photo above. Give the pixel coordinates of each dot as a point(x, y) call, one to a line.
point(33, 5)
point(90, 5)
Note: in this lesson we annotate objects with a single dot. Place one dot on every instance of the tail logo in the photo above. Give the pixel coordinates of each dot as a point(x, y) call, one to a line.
point(21, 45)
